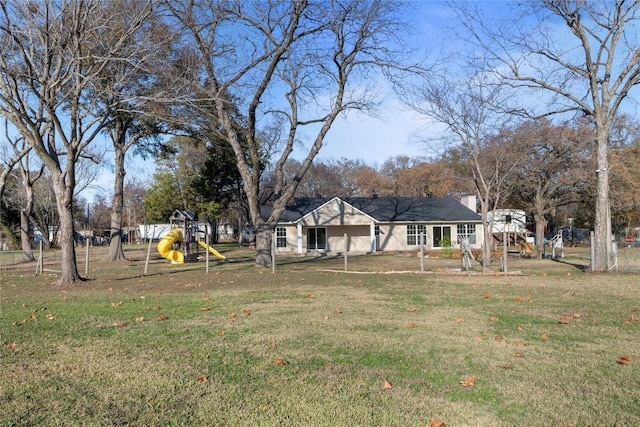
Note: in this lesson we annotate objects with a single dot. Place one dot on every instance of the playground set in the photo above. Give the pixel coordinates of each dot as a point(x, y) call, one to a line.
point(182, 242)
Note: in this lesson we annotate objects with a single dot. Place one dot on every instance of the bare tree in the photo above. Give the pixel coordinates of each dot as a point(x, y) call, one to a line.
point(303, 62)
point(324, 178)
point(51, 54)
point(471, 110)
point(625, 174)
point(552, 171)
point(13, 150)
point(127, 98)
point(585, 55)
point(19, 159)
point(28, 178)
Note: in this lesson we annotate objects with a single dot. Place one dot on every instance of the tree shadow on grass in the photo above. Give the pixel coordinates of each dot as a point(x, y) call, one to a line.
point(573, 263)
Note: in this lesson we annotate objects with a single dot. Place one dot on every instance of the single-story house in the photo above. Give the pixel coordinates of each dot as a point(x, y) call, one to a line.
point(319, 225)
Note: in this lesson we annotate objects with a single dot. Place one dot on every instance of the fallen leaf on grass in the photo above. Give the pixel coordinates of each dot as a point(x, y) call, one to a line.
point(221, 333)
point(205, 308)
point(565, 319)
point(50, 316)
point(273, 345)
point(499, 337)
point(517, 300)
point(337, 311)
point(623, 360)
point(411, 325)
point(232, 315)
point(118, 324)
point(11, 346)
point(387, 385)
point(459, 320)
point(469, 381)
point(246, 312)
point(116, 304)
point(202, 379)
point(507, 367)
point(437, 423)
point(519, 344)
point(494, 319)
point(518, 354)
point(163, 317)
point(544, 336)
point(156, 307)
point(281, 361)
point(520, 328)
point(139, 319)
point(479, 338)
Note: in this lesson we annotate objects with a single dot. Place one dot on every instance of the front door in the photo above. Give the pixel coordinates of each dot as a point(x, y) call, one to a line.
point(316, 238)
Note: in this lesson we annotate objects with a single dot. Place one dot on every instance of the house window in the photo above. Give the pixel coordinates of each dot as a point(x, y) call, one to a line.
point(281, 237)
point(414, 231)
point(441, 236)
point(316, 238)
point(467, 231)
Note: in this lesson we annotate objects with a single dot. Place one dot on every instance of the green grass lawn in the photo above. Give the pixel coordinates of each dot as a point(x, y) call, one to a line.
point(311, 345)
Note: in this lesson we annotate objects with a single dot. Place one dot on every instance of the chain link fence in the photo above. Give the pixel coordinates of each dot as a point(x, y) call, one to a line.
point(628, 259)
point(10, 260)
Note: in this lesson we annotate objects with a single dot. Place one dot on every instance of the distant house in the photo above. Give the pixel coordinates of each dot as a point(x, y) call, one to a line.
point(319, 225)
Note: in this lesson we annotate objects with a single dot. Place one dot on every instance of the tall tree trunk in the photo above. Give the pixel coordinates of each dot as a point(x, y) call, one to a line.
point(602, 226)
point(263, 244)
point(541, 224)
point(64, 196)
point(26, 233)
point(488, 238)
point(117, 202)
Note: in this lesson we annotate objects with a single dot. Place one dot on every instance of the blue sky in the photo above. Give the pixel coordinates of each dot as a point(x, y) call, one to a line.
point(394, 131)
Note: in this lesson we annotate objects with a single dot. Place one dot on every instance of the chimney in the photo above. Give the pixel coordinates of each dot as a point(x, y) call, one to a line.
point(469, 202)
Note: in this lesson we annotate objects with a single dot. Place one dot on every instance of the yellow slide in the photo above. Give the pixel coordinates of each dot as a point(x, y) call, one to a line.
point(164, 247)
point(213, 251)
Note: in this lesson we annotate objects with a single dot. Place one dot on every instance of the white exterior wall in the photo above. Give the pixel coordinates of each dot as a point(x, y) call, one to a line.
point(292, 240)
point(358, 239)
point(339, 218)
point(393, 237)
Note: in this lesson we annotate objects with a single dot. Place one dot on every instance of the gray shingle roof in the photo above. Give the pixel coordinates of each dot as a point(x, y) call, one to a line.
point(388, 209)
